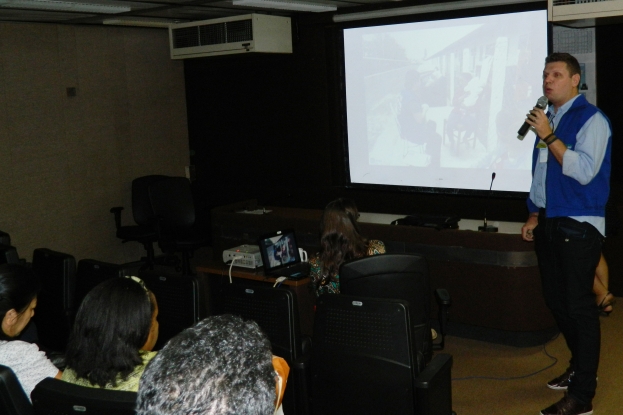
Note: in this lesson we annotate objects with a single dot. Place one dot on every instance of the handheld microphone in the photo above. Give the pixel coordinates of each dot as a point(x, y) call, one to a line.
point(542, 104)
point(485, 227)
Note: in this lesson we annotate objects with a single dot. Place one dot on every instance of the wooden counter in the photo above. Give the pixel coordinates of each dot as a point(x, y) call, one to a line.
point(493, 278)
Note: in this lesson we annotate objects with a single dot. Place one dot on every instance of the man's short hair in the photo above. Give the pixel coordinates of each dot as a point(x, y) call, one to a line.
point(222, 365)
point(573, 66)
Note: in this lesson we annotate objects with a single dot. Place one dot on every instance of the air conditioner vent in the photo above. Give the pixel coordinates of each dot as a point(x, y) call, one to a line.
point(186, 37)
point(238, 34)
point(241, 31)
point(212, 34)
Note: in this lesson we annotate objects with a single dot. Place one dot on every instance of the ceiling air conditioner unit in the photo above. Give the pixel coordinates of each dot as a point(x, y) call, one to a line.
point(237, 34)
point(584, 13)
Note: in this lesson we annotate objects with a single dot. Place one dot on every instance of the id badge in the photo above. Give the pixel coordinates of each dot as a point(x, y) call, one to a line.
point(543, 152)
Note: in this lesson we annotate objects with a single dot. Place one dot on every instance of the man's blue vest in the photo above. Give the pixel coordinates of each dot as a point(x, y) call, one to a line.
point(565, 195)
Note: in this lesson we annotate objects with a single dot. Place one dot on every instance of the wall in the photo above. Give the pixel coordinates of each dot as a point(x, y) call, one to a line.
point(65, 161)
point(268, 127)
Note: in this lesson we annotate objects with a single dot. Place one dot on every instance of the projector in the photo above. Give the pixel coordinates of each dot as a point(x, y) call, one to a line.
point(250, 256)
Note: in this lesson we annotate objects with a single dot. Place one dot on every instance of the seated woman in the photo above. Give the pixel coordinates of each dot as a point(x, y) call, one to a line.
point(18, 298)
point(113, 335)
point(340, 241)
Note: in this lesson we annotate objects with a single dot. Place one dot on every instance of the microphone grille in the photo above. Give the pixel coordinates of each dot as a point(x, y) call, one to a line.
point(542, 102)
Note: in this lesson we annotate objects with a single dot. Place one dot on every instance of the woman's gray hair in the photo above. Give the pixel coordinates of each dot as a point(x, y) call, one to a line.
point(221, 366)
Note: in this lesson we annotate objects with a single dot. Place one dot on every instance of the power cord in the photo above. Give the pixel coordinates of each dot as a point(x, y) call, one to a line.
point(554, 361)
point(279, 280)
point(232, 264)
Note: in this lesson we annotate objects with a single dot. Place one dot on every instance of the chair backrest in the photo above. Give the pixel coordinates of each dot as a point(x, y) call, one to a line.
point(5, 238)
point(362, 360)
point(57, 397)
point(172, 202)
point(55, 302)
point(13, 399)
point(8, 254)
point(274, 309)
point(397, 276)
point(142, 211)
point(91, 272)
point(178, 298)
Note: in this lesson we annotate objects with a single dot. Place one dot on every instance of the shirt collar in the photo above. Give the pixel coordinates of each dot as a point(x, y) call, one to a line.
point(563, 108)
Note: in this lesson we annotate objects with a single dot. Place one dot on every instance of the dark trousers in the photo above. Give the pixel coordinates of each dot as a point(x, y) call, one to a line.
point(568, 252)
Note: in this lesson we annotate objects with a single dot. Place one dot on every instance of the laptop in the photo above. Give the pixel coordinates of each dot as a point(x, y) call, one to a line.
point(280, 255)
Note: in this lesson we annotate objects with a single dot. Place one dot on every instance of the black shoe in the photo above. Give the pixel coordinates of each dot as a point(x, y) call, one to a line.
point(568, 406)
point(561, 383)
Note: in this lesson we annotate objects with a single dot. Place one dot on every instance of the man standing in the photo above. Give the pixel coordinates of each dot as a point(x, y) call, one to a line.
point(570, 187)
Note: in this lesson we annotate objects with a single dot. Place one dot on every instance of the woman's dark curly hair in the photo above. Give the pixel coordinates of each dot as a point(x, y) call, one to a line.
point(111, 326)
point(340, 238)
point(18, 287)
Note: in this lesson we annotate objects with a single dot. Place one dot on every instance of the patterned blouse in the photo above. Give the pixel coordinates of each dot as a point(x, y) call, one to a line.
point(375, 247)
point(130, 383)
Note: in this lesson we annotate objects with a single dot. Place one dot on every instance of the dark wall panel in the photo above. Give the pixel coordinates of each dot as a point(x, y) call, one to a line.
point(270, 127)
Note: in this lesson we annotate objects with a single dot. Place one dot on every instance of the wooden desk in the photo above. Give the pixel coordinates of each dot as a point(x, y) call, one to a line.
point(493, 278)
point(217, 273)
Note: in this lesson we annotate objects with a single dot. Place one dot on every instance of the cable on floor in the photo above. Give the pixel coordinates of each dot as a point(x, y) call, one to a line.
point(553, 358)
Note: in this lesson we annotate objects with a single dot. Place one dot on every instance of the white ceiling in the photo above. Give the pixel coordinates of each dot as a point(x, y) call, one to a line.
point(165, 11)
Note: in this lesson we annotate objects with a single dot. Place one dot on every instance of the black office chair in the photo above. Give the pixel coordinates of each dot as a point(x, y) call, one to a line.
point(55, 303)
point(144, 231)
point(173, 205)
point(275, 310)
point(57, 397)
point(13, 399)
point(179, 300)
point(363, 361)
point(402, 277)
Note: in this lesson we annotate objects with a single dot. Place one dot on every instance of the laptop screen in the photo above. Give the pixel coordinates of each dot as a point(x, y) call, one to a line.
point(279, 250)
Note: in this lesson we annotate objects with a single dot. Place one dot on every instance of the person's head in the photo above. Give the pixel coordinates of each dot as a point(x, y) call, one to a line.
point(19, 287)
point(220, 366)
point(561, 78)
point(116, 319)
point(340, 238)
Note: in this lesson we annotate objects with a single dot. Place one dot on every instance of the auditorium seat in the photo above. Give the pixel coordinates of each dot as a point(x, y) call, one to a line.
point(275, 310)
point(404, 277)
point(13, 399)
point(55, 303)
point(363, 361)
point(180, 302)
point(57, 397)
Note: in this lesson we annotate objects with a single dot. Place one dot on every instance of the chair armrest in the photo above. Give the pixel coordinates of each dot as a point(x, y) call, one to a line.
point(433, 387)
point(442, 296)
point(117, 212)
point(443, 303)
point(301, 377)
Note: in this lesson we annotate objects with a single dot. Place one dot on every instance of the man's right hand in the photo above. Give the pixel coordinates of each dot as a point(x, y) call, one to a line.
point(528, 227)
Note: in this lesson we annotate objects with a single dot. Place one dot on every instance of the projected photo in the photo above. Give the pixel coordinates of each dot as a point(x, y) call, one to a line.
point(446, 95)
point(280, 250)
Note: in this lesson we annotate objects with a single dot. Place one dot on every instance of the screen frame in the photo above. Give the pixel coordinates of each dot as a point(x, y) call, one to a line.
point(341, 98)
